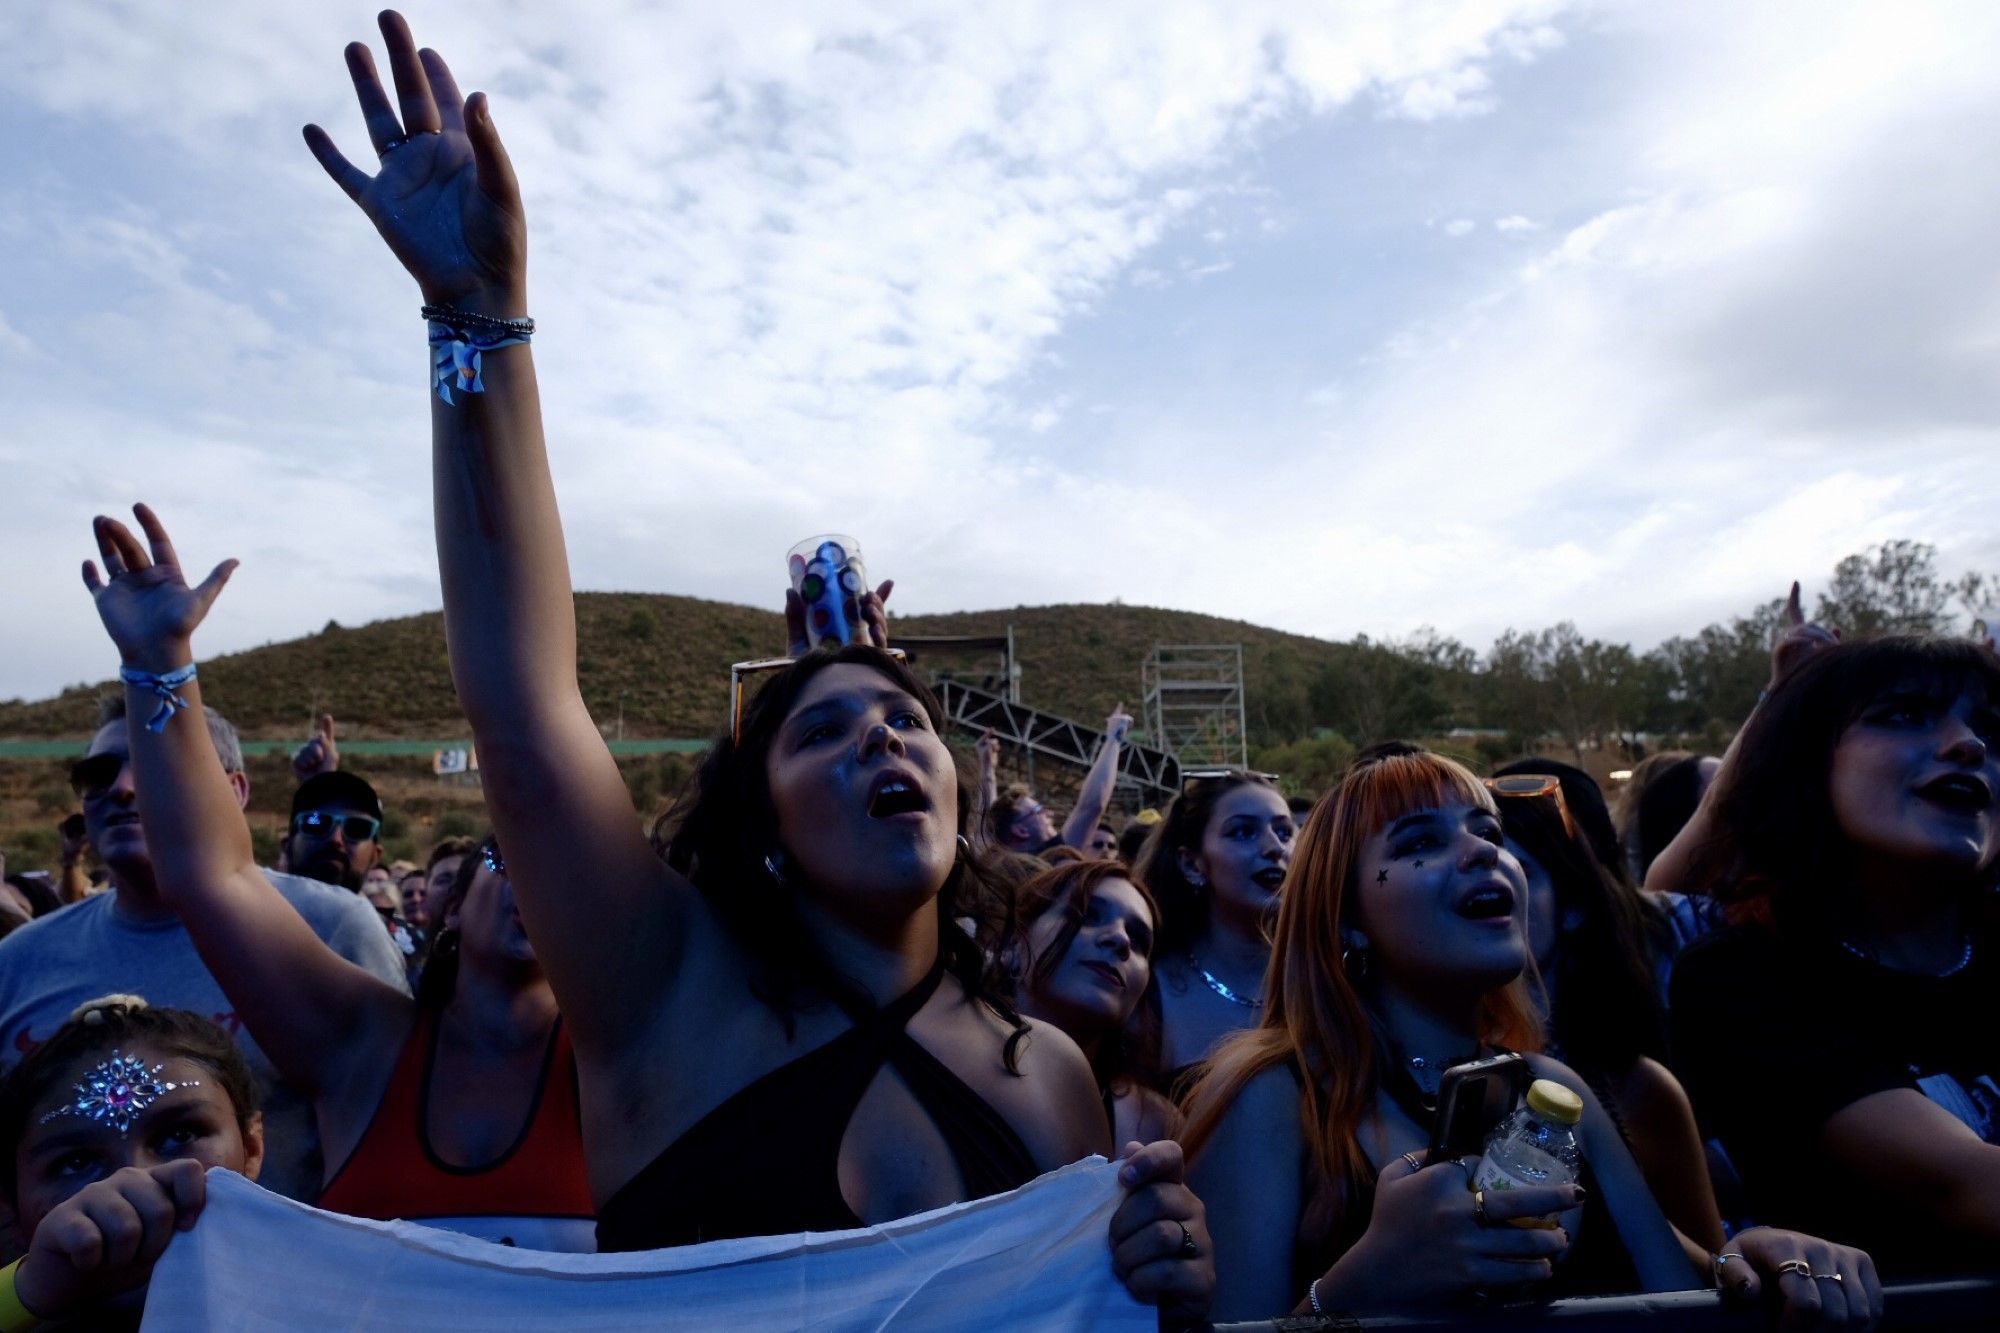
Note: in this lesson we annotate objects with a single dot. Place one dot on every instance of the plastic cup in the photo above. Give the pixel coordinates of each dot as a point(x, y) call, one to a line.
point(829, 578)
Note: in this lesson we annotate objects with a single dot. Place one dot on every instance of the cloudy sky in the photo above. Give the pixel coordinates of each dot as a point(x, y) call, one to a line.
point(1346, 317)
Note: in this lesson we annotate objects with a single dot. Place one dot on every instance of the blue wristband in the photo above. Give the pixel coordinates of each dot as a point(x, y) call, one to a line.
point(162, 686)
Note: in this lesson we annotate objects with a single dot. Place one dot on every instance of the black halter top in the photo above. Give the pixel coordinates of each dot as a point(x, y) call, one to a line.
point(766, 1162)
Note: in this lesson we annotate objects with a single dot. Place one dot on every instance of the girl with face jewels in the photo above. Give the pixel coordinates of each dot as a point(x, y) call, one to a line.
point(1217, 861)
point(455, 1109)
point(779, 1026)
point(1398, 952)
point(106, 1131)
point(1838, 1038)
point(1085, 965)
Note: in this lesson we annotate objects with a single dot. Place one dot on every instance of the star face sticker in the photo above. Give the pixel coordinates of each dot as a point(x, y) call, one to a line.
point(116, 1092)
point(1381, 877)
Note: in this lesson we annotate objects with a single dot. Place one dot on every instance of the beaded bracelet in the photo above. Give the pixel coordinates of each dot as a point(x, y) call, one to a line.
point(459, 338)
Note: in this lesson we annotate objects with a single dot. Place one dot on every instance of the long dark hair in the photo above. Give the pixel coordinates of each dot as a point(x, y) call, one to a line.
point(1132, 1054)
point(1185, 907)
point(1778, 849)
point(439, 981)
point(721, 830)
point(100, 1026)
point(1606, 1012)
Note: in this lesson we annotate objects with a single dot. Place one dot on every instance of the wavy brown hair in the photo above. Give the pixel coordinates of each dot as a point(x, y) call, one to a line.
point(1315, 1017)
point(1180, 830)
point(1132, 1055)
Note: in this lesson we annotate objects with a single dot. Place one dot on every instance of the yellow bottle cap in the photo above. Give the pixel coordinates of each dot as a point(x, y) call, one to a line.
point(1552, 1101)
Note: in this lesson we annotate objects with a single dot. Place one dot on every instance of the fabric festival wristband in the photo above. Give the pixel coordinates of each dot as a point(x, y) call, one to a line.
point(163, 686)
point(458, 341)
point(14, 1316)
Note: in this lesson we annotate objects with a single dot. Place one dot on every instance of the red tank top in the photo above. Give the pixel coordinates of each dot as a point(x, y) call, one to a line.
point(536, 1195)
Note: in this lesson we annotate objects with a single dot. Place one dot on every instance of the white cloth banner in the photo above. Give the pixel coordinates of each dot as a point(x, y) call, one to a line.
point(1036, 1258)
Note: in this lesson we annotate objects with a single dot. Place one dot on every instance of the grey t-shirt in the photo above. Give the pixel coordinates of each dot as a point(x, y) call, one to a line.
point(57, 962)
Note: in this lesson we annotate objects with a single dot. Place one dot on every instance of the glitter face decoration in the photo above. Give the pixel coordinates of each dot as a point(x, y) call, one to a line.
point(117, 1091)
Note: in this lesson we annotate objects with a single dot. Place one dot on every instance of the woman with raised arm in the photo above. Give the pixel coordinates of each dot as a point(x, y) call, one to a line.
point(1215, 861)
point(1838, 1038)
point(458, 1108)
point(785, 1030)
point(1398, 953)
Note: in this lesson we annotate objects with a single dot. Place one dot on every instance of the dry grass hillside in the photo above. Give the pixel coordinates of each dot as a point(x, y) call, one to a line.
point(666, 659)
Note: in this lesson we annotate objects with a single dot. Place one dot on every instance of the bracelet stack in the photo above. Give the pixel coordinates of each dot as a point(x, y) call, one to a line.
point(165, 687)
point(458, 339)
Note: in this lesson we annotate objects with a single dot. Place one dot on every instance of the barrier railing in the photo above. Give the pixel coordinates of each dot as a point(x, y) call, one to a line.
point(1954, 1303)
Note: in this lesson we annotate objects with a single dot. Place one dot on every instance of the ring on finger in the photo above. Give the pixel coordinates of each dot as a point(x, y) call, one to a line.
point(1189, 1250)
point(1416, 1163)
point(1824, 1277)
point(1799, 1266)
point(1479, 1207)
point(391, 144)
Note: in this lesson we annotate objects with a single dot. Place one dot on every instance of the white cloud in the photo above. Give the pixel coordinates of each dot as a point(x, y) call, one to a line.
point(799, 266)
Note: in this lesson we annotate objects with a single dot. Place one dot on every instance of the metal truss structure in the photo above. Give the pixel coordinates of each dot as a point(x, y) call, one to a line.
point(1194, 703)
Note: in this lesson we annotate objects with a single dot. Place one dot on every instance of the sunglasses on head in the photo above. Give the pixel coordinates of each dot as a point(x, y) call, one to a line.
point(320, 825)
point(90, 778)
point(1534, 784)
point(742, 672)
point(1194, 775)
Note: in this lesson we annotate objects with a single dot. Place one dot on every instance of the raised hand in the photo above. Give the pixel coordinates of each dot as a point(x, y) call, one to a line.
point(444, 197)
point(105, 1238)
point(1797, 639)
point(1118, 725)
point(146, 605)
point(319, 754)
point(987, 747)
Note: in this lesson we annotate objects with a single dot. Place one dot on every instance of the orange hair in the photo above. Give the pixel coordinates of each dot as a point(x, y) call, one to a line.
point(1314, 1018)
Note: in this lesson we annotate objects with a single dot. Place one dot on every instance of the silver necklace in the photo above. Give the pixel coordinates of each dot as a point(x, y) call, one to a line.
point(1868, 956)
point(1217, 985)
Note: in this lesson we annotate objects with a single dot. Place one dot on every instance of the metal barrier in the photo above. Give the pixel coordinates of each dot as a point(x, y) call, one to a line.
point(1951, 1303)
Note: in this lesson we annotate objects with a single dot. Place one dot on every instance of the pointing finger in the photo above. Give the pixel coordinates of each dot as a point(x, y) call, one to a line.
point(1795, 612)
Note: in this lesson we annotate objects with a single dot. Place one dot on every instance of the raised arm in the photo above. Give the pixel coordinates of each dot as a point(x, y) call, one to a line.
point(320, 1017)
point(1094, 797)
point(1673, 869)
point(606, 916)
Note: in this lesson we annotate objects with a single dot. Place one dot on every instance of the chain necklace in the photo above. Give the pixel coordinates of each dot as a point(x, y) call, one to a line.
point(1217, 985)
point(1868, 956)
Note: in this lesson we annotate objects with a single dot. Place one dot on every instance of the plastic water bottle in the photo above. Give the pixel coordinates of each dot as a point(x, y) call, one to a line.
point(1534, 1147)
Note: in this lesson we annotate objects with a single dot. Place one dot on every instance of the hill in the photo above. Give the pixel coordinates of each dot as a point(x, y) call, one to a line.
point(663, 662)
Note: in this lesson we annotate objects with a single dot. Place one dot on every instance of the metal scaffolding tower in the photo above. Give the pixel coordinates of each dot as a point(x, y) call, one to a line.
point(1194, 703)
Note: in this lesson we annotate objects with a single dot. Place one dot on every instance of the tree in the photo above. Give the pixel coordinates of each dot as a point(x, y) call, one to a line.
point(1895, 588)
point(1373, 692)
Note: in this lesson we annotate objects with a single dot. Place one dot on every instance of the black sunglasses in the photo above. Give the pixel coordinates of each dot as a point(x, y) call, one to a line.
point(90, 778)
point(319, 825)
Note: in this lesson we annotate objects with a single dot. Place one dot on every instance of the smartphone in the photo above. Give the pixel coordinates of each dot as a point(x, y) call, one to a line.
point(73, 827)
point(1473, 1099)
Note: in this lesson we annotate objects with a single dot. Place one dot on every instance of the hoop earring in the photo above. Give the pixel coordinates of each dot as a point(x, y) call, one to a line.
point(1358, 961)
point(964, 848)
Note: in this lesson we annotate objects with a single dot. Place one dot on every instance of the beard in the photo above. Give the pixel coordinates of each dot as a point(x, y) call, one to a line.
point(328, 865)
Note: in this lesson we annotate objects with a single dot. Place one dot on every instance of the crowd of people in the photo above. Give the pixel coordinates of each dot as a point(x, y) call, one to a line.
point(844, 979)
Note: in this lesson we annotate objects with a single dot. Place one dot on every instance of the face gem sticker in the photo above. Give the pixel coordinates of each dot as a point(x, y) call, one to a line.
point(117, 1092)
